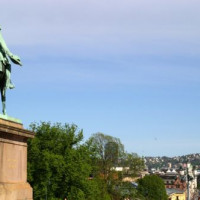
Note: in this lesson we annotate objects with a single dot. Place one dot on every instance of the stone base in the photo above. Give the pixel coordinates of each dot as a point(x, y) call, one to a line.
point(18, 191)
point(13, 161)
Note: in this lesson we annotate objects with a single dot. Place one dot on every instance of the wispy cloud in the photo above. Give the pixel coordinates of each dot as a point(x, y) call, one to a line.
point(45, 21)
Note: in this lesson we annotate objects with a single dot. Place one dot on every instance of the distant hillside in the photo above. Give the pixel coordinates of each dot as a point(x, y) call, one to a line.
point(155, 162)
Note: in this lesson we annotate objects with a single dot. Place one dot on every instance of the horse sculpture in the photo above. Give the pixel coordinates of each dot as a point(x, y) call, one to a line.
point(5, 70)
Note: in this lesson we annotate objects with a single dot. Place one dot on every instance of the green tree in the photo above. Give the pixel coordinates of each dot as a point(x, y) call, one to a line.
point(134, 163)
point(108, 153)
point(128, 191)
point(152, 188)
point(59, 166)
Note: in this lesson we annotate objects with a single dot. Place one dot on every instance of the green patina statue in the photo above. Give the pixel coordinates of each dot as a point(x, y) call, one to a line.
point(5, 70)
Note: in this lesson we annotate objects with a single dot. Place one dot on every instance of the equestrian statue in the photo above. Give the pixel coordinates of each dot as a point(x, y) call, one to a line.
point(5, 70)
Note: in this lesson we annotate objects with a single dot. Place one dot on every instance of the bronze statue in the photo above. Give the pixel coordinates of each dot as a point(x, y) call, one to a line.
point(5, 70)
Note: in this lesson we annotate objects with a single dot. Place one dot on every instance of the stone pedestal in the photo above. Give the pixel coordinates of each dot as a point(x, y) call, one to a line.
point(13, 161)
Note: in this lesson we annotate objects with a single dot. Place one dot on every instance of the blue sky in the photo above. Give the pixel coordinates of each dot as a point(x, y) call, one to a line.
point(130, 69)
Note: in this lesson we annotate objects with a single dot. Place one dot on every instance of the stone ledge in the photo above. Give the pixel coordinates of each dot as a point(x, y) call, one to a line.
point(10, 119)
point(4, 128)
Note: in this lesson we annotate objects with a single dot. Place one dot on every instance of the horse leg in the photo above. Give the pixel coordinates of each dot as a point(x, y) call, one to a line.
point(3, 99)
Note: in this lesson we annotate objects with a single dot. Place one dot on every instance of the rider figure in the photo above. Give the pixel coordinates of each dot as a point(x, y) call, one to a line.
point(4, 62)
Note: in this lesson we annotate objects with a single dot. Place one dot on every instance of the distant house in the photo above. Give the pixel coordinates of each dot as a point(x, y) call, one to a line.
point(176, 194)
point(174, 182)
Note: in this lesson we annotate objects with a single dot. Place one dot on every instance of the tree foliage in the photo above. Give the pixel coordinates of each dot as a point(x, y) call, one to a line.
point(59, 166)
point(108, 154)
point(152, 188)
point(102, 143)
point(134, 163)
